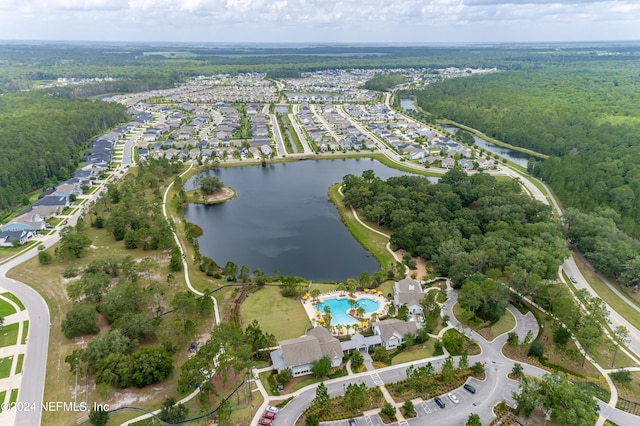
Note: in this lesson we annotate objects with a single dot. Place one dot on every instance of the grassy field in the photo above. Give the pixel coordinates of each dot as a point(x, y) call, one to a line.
point(607, 295)
point(20, 362)
point(14, 299)
point(283, 317)
point(5, 367)
point(9, 335)
point(489, 332)
point(415, 354)
point(25, 332)
point(6, 309)
point(375, 243)
point(3, 395)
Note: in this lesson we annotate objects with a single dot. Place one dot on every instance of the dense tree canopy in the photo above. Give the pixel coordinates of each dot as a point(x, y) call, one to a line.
point(43, 139)
point(464, 225)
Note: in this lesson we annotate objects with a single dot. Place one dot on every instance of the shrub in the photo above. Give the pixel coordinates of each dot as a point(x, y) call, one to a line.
point(536, 349)
point(389, 411)
point(621, 376)
point(45, 258)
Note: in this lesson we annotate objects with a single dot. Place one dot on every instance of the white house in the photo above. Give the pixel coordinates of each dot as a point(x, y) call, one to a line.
point(408, 292)
point(392, 331)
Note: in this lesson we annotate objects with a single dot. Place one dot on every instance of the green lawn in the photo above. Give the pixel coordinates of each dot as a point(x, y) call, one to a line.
point(14, 395)
point(386, 287)
point(3, 395)
point(283, 317)
point(5, 367)
point(375, 243)
point(9, 335)
point(305, 382)
point(20, 362)
point(14, 299)
point(414, 355)
point(612, 299)
point(504, 324)
point(6, 309)
point(25, 332)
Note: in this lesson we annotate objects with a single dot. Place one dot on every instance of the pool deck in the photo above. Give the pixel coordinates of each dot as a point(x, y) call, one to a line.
point(309, 306)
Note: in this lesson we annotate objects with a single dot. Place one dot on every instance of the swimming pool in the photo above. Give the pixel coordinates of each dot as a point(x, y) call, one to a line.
point(339, 308)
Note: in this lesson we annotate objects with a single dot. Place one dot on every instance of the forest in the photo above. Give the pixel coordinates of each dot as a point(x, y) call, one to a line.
point(467, 227)
point(43, 139)
point(584, 114)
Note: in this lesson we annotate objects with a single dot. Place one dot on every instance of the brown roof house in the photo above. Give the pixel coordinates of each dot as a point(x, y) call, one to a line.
point(298, 354)
point(408, 292)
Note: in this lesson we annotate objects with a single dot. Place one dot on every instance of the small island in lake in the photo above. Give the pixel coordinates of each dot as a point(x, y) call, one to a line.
point(210, 190)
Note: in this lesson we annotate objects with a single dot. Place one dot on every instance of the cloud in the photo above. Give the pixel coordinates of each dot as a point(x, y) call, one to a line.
point(286, 20)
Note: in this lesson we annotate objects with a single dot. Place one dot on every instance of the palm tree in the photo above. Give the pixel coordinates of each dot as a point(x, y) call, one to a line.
point(351, 285)
point(341, 288)
point(348, 327)
point(374, 317)
point(315, 293)
point(352, 303)
point(360, 311)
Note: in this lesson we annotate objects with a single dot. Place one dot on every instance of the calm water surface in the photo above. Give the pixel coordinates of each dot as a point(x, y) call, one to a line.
point(517, 157)
point(282, 219)
point(407, 103)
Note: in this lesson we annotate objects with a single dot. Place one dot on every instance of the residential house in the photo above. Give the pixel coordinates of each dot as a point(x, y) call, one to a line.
point(408, 292)
point(448, 163)
point(360, 343)
point(300, 353)
point(465, 164)
point(392, 331)
point(8, 237)
point(25, 222)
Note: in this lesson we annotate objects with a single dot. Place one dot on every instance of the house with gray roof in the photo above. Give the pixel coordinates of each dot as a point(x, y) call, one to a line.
point(8, 237)
point(360, 343)
point(298, 354)
point(408, 292)
point(392, 331)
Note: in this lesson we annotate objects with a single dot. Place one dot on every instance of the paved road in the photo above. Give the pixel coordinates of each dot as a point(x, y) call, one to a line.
point(278, 136)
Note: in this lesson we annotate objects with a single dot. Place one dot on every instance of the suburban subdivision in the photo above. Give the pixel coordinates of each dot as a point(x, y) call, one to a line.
point(335, 245)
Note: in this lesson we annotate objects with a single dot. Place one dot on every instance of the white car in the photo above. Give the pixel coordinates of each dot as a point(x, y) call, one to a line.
point(271, 409)
point(453, 398)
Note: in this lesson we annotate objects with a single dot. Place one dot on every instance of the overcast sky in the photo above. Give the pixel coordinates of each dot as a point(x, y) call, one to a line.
point(399, 21)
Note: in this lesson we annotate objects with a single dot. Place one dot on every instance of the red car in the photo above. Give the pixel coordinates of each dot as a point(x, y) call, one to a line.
point(268, 415)
point(265, 422)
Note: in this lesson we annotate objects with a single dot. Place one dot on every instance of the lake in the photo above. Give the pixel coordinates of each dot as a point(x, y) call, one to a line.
point(407, 104)
point(282, 219)
point(517, 157)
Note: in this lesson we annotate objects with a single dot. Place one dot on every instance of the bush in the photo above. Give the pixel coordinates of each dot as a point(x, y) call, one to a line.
point(408, 408)
point(621, 376)
point(561, 336)
point(512, 338)
point(536, 349)
point(389, 411)
point(381, 355)
point(356, 361)
point(285, 376)
point(45, 258)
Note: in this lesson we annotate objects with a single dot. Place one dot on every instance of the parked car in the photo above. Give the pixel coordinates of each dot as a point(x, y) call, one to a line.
point(453, 398)
point(469, 388)
point(265, 422)
point(352, 422)
point(271, 409)
point(268, 415)
point(439, 401)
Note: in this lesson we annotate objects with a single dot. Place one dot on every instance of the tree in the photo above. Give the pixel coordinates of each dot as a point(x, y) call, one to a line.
point(150, 365)
point(621, 337)
point(209, 184)
point(81, 319)
point(355, 396)
point(536, 349)
point(321, 367)
point(74, 245)
point(357, 360)
point(284, 376)
point(561, 336)
point(621, 376)
point(388, 410)
point(171, 412)
point(463, 363)
point(98, 416)
point(517, 369)
point(448, 371)
point(224, 413)
point(408, 408)
point(473, 420)
point(311, 420)
point(44, 257)
point(321, 401)
point(175, 263)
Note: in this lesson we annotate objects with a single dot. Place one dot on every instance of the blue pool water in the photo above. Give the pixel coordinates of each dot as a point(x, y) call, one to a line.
point(339, 308)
